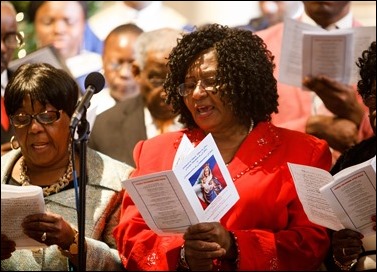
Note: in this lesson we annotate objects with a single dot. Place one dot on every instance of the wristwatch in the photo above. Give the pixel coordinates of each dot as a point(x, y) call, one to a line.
point(73, 248)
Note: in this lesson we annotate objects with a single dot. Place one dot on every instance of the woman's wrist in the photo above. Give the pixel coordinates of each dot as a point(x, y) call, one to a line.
point(73, 248)
point(182, 263)
point(342, 266)
point(235, 251)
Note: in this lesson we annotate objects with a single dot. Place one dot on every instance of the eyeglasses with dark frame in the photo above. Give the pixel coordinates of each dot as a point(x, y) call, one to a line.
point(44, 118)
point(12, 39)
point(208, 84)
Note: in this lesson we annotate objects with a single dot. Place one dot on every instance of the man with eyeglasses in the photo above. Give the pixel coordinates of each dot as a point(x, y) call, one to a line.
point(117, 130)
point(117, 58)
point(11, 39)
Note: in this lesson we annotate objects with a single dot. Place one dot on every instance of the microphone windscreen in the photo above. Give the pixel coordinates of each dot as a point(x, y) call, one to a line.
point(95, 79)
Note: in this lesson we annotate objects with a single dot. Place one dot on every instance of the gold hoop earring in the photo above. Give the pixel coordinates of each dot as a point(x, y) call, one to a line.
point(14, 143)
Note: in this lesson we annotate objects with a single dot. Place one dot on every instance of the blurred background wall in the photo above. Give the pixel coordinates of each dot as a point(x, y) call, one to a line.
point(240, 12)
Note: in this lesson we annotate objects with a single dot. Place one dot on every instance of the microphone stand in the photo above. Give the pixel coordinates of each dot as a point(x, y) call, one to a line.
point(83, 133)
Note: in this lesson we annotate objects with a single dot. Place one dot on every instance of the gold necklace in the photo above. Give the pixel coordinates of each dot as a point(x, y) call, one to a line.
point(54, 188)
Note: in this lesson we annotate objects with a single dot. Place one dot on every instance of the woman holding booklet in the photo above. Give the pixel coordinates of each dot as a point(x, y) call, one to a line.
point(40, 101)
point(348, 251)
point(221, 82)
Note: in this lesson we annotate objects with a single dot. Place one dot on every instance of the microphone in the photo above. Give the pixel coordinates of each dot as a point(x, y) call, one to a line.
point(94, 83)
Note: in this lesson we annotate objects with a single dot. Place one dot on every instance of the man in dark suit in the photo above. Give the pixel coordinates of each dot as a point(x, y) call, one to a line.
point(11, 39)
point(118, 129)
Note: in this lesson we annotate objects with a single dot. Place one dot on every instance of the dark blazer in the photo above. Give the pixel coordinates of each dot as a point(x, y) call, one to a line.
point(117, 130)
point(7, 134)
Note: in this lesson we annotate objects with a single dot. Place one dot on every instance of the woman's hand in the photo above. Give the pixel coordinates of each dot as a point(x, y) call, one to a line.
point(339, 98)
point(58, 231)
point(346, 245)
point(339, 133)
point(205, 242)
point(7, 247)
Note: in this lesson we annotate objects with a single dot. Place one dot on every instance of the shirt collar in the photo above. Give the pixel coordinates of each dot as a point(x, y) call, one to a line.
point(150, 10)
point(4, 81)
point(151, 126)
point(345, 22)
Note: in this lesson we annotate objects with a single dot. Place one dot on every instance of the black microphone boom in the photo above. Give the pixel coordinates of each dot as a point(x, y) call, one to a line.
point(94, 83)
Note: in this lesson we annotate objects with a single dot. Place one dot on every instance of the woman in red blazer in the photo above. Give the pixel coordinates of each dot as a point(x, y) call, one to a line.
point(221, 82)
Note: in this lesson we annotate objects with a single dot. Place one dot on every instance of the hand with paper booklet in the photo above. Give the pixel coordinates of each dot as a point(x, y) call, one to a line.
point(349, 249)
point(221, 82)
point(40, 101)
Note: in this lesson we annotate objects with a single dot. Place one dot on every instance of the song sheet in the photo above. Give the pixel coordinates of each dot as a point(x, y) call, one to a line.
point(311, 50)
point(16, 203)
point(345, 200)
point(170, 201)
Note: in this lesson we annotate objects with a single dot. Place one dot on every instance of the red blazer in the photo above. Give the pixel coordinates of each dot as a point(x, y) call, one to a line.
point(272, 229)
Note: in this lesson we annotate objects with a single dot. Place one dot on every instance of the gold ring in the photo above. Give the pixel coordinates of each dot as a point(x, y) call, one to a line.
point(44, 237)
point(344, 251)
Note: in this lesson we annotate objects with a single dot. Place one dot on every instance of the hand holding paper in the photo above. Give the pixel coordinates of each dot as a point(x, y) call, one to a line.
point(347, 200)
point(171, 201)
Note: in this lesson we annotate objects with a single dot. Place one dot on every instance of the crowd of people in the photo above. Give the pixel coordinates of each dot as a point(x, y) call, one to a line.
point(166, 81)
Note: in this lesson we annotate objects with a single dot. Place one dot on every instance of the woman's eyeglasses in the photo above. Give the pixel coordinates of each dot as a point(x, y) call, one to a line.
point(45, 118)
point(12, 39)
point(208, 84)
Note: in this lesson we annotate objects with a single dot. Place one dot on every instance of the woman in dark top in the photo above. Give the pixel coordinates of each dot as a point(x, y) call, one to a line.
point(348, 252)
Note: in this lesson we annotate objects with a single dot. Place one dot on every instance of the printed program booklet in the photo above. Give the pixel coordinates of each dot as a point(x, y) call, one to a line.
point(345, 200)
point(198, 189)
point(16, 203)
point(311, 50)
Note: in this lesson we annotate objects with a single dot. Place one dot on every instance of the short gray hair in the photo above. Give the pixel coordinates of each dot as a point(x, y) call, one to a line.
point(158, 40)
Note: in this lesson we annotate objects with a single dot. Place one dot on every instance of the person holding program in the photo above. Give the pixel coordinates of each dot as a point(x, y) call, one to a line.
point(327, 109)
point(220, 81)
point(40, 101)
point(347, 245)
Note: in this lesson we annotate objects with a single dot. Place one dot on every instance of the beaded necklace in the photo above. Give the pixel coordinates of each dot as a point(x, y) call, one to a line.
point(53, 188)
point(263, 154)
point(197, 135)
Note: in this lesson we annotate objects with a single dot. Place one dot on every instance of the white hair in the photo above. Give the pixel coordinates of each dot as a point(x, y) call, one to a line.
point(159, 40)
